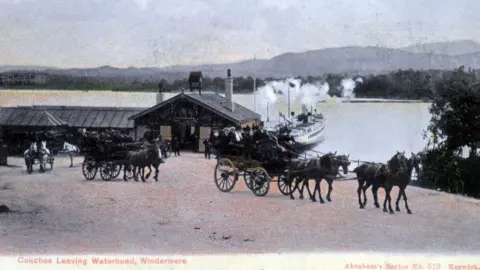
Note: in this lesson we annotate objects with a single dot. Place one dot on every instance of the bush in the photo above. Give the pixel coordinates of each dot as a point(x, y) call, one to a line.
point(455, 123)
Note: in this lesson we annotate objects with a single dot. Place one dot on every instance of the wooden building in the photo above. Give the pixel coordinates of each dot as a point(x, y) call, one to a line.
point(192, 116)
point(17, 122)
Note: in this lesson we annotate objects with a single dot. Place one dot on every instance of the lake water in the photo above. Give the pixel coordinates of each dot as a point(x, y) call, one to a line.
point(366, 131)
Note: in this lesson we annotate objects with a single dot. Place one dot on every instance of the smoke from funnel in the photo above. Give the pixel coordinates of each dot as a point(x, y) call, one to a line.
point(348, 85)
point(309, 94)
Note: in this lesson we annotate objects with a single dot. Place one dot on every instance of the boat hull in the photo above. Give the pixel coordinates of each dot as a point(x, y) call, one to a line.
point(309, 141)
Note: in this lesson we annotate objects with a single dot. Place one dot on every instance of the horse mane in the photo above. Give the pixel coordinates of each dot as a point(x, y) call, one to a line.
point(327, 160)
point(395, 162)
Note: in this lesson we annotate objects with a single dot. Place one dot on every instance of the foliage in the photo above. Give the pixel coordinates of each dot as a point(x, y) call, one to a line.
point(455, 123)
point(404, 84)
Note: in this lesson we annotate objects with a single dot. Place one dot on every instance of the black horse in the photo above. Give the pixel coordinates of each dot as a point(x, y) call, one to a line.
point(146, 157)
point(301, 171)
point(394, 173)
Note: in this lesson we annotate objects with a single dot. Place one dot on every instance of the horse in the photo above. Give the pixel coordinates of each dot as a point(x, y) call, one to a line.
point(369, 174)
point(341, 162)
point(29, 156)
point(139, 159)
point(399, 174)
point(414, 162)
point(394, 173)
point(71, 150)
point(317, 169)
point(402, 179)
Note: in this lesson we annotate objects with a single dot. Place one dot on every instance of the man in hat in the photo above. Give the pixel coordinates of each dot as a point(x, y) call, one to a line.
point(176, 146)
point(208, 148)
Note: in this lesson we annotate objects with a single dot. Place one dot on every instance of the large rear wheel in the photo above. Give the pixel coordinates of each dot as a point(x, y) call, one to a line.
point(106, 171)
point(89, 168)
point(225, 175)
point(116, 168)
point(260, 184)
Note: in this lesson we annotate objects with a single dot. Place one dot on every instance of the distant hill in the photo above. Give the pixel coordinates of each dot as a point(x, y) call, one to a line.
point(346, 60)
point(25, 68)
point(447, 48)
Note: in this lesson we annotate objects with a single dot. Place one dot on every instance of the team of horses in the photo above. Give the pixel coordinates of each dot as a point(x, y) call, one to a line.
point(134, 157)
point(35, 152)
point(277, 153)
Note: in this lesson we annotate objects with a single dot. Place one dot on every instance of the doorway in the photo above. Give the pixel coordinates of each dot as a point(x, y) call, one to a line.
point(187, 134)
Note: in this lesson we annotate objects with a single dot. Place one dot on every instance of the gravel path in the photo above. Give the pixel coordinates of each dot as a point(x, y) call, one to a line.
point(60, 212)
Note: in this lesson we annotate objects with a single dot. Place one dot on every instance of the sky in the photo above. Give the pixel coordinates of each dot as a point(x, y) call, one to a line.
point(158, 33)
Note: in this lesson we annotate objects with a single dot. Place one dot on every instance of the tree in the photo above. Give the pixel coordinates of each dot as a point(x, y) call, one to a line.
point(456, 111)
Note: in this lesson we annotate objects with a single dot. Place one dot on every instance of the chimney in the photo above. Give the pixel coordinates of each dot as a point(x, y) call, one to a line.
point(160, 97)
point(229, 90)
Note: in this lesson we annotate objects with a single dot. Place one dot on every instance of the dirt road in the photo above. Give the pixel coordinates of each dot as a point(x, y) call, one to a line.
point(60, 212)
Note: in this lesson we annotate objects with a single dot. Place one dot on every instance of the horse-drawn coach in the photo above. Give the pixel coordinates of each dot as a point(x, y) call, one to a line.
point(261, 157)
point(109, 152)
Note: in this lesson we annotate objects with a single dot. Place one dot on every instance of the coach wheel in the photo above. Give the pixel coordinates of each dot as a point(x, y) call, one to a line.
point(248, 178)
point(115, 168)
point(89, 168)
point(261, 182)
point(226, 175)
point(106, 171)
point(285, 185)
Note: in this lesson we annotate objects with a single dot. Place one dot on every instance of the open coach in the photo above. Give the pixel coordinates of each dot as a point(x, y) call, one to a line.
point(258, 157)
point(110, 152)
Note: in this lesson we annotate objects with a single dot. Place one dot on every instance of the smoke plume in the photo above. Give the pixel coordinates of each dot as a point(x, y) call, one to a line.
point(309, 94)
point(348, 85)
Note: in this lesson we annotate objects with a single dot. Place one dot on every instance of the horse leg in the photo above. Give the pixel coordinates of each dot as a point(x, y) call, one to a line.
point(156, 172)
point(135, 173)
point(42, 168)
point(364, 189)
point(71, 159)
point(312, 197)
point(375, 196)
point(385, 201)
point(304, 181)
point(143, 174)
point(390, 202)
point(398, 199)
point(149, 172)
point(389, 199)
point(359, 192)
point(405, 199)
point(318, 187)
point(125, 172)
point(295, 187)
point(330, 188)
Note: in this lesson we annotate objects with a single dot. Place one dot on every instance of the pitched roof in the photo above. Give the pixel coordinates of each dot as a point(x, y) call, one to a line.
point(78, 117)
point(33, 118)
point(211, 101)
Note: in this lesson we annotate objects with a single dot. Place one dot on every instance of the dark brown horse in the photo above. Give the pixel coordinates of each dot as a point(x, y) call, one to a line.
point(146, 157)
point(394, 173)
point(301, 171)
point(403, 180)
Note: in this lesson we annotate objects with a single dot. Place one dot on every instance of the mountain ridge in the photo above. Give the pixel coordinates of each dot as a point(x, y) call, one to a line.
point(345, 60)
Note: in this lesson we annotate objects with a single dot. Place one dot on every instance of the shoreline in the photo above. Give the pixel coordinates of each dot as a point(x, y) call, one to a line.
point(171, 94)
